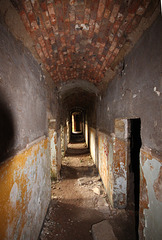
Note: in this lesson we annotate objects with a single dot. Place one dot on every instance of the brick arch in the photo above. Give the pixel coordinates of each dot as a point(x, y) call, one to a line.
point(81, 39)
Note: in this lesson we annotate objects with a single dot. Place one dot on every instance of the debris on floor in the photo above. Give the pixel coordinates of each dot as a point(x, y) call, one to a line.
point(103, 231)
point(78, 201)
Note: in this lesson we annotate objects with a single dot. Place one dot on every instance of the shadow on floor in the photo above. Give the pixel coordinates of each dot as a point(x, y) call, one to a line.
point(77, 148)
point(69, 172)
point(69, 222)
point(66, 221)
point(76, 151)
point(75, 205)
point(77, 138)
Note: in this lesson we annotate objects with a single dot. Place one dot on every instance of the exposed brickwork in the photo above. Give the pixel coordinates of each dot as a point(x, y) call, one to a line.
point(80, 39)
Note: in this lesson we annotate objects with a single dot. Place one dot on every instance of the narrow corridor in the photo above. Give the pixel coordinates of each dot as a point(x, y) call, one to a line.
point(74, 71)
point(78, 201)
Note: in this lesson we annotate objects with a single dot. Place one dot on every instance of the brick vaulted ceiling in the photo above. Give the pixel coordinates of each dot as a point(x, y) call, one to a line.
point(80, 39)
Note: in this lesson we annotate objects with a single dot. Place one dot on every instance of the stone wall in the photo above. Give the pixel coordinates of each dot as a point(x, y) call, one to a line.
point(24, 144)
point(22, 94)
point(134, 93)
point(25, 191)
point(150, 195)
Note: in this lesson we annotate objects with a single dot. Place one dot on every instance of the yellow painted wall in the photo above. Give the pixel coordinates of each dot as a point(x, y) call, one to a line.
point(25, 192)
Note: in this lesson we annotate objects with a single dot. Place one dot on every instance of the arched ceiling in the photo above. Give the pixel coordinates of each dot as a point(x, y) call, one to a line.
point(68, 88)
point(77, 97)
point(80, 94)
point(81, 39)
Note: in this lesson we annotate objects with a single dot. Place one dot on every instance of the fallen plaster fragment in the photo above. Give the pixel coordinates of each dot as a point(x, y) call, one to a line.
point(103, 231)
point(157, 92)
point(96, 190)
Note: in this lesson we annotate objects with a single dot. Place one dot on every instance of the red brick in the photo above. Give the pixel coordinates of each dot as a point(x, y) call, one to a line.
point(101, 8)
point(27, 6)
point(51, 13)
point(114, 13)
point(58, 43)
point(134, 6)
point(107, 13)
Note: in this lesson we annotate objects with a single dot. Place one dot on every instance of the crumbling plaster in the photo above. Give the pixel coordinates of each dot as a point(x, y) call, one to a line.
point(150, 195)
point(136, 91)
point(25, 162)
point(25, 191)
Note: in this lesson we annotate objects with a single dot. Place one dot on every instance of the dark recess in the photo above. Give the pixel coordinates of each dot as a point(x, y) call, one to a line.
point(7, 132)
point(135, 145)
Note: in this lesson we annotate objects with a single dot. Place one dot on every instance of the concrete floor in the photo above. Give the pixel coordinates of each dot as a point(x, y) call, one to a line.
point(78, 201)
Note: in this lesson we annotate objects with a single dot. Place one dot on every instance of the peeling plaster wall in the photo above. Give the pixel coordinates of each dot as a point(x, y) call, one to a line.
point(151, 196)
point(25, 192)
point(105, 163)
point(63, 140)
point(136, 92)
point(24, 176)
point(55, 148)
point(53, 152)
point(110, 156)
point(120, 173)
point(120, 155)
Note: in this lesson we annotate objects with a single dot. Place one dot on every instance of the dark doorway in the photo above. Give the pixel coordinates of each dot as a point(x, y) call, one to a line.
point(77, 122)
point(77, 127)
point(134, 169)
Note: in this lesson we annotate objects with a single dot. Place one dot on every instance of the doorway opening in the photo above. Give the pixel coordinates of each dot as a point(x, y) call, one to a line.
point(77, 122)
point(134, 169)
point(77, 126)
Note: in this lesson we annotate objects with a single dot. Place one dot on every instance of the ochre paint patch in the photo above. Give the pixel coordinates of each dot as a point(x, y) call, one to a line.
point(120, 173)
point(13, 188)
point(145, 155)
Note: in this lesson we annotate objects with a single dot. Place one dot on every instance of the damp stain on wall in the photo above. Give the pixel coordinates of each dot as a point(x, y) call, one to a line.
point(25, 192)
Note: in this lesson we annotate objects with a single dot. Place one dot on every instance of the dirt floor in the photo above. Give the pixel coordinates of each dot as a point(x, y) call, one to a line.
point(78, 201)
